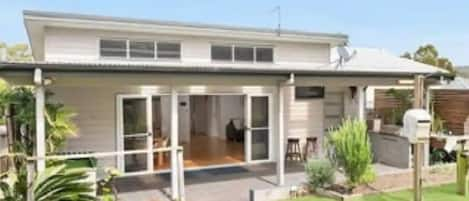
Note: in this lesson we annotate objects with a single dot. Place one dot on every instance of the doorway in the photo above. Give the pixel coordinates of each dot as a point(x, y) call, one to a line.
point(214, 130)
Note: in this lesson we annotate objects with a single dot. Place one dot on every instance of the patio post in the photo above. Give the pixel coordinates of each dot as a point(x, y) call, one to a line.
point(281, 129)
point(361, 103)
point(174, 145)
point(40, 120)
point(419, 146)
point(281, 137)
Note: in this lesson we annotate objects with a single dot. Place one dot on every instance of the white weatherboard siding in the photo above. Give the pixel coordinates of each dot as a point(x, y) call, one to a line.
point(80, 45)
point(303, 118)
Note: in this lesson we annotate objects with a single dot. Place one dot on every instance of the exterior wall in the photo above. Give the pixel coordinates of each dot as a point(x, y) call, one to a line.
point(304, 118)
point(73, 45)
point(312, 118)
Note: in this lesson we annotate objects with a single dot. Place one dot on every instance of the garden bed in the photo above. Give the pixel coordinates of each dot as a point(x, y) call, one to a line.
point(434, 193)
point(436, 175)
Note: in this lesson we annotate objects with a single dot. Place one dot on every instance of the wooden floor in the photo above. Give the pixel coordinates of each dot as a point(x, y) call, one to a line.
point(205, 150)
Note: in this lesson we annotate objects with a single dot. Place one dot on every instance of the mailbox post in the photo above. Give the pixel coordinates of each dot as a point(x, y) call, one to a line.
point(417, 124)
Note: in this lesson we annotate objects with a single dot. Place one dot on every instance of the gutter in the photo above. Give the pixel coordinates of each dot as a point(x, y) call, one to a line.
point(103, 68)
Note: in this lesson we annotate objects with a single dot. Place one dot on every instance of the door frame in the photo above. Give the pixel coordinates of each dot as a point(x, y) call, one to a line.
point(247, 134)
point(248, 123)
point(120, 130)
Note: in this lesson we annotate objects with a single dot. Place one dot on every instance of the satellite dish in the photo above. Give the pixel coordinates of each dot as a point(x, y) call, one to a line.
point(343, 53)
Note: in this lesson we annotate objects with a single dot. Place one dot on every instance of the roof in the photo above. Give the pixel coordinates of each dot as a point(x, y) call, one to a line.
point(36, 21)
point(457, 83)
point(463, 71)
point(379, 60)
point(231, 69)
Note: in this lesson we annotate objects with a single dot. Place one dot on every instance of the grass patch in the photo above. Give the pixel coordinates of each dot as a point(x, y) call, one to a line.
point(437, 193)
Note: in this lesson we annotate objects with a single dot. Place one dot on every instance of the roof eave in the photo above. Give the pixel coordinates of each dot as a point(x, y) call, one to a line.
point(27, 67)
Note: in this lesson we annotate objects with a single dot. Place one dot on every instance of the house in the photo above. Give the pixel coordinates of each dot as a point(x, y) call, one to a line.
point(226, 96)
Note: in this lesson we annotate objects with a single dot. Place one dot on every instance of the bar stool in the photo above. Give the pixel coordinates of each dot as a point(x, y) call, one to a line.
point(293, 149)
point(310, 148)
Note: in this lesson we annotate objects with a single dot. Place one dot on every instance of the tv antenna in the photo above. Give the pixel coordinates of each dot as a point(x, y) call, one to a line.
point(279, 18)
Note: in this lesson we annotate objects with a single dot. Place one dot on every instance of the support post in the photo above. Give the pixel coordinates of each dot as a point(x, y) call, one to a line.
point(361, 103)
point(182, 194)
point(281, 137)
point(40, 120)
point(29, 180)
point(419, 146)
point(174, 145)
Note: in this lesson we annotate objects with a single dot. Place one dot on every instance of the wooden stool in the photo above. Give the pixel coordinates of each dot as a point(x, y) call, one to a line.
point(310, 148)
point(293, 149)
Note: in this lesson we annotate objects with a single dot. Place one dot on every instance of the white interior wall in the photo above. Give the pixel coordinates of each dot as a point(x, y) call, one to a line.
point(231, 107)
point(199, 114)
point(220, 109)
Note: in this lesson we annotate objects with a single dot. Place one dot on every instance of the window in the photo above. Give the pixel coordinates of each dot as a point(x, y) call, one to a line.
point(142, 49)
point(169, 50)
point(264, 54)
point(244, 54)
point(113, 48)
point(222, 53)
point(309, 92)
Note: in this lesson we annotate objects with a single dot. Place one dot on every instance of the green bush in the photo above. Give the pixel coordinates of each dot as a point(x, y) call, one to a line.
point(352, 152)
point(320, 172)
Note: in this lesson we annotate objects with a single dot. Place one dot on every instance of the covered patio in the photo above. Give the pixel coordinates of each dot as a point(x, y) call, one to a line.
point(230, 183)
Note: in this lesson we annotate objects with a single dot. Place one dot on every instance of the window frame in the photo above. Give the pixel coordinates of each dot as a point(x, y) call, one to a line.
point(306, 98)
point(233, 59)
point(141, 58)
point(127, 49)
point(168, 59)
point(244, 46)
point(265, 47)
point(114, 57)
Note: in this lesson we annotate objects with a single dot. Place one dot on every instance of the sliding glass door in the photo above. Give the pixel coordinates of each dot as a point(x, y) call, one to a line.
point(135, 133)
point(258, 132)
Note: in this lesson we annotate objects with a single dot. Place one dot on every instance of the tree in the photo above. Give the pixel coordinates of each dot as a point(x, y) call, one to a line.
point(428, 54)
point(17, 52)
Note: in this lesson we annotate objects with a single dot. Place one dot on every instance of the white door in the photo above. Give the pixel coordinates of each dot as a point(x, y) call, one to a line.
point(258, 128)
point(135, 133)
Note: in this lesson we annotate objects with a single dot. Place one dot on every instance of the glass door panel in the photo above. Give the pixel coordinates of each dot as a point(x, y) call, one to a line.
point(136, 133)
point(260, 131)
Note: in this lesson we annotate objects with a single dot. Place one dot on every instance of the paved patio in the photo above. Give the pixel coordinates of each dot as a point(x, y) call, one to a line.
point(223, 184)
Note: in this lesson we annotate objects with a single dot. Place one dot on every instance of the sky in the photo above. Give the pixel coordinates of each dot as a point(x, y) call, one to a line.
point(397, 26)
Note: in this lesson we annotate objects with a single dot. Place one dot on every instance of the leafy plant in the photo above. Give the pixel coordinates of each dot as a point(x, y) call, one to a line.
point(352, 152)
point(54, 184)
point(105, 185)
point(438, 124)
point(21, 101)
point(320, 172)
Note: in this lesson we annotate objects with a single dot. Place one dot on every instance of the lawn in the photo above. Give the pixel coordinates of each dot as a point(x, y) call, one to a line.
point(438, 193)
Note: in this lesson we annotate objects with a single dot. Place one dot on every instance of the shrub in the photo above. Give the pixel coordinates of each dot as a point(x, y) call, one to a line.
point(320, 172)
point(352, 152)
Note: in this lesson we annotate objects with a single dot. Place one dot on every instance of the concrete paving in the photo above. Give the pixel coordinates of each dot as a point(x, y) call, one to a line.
point(223, 184)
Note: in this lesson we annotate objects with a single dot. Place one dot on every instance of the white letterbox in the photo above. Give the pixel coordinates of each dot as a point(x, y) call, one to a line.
point(417, 124)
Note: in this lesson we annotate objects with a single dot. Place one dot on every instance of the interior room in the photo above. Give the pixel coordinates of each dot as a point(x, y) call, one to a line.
point(211, 129)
